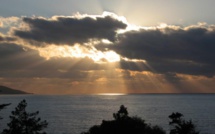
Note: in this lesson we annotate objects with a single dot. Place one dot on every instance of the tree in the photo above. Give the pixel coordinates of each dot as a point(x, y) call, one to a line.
point(2, 106)
point(124, 124)
point(181, 126)
point(121, 114)
point(22, 122)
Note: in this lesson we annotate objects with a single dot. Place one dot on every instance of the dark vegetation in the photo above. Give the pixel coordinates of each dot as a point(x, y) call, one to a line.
point(181, 126)
point(124, 124)
point(22, 122)
point(2, 106)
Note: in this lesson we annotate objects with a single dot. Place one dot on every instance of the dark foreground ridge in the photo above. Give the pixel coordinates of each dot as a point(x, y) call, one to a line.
point(7, 90)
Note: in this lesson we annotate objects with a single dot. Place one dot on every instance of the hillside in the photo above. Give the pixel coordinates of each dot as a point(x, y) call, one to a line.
point(7, 90)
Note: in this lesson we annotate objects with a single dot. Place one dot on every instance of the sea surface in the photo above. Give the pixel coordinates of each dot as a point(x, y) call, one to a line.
point(71, 114)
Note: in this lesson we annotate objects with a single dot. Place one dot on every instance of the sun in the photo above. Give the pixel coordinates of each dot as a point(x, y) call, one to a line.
point(111, 56)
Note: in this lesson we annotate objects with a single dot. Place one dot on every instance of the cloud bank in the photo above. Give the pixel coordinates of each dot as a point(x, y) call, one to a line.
point(106, 51)
point(186, 50)
point(70, 30)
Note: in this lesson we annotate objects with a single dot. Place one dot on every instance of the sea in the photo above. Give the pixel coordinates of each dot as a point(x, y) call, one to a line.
point(73, 114)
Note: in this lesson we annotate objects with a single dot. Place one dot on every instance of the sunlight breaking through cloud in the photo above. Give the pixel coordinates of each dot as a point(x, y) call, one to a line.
point(79, 51)
point(107, 53)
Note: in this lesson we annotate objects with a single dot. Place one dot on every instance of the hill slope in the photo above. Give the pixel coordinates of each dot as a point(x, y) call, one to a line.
point(7, 90)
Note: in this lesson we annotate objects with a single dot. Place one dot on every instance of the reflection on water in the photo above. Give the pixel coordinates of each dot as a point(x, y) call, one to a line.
point(68, 114)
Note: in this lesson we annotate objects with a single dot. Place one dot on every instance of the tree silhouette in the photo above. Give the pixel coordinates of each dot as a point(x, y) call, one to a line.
point(121, 114)
point(123, 124)
point(22, 122)
point(2, 106)
point(181, 126)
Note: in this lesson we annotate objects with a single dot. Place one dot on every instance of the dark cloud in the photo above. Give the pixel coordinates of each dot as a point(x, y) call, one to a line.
point(185, 50)
point(14, 57)
point(1, 38)
point(70, 30)
point(6, 39)
point(9, 50)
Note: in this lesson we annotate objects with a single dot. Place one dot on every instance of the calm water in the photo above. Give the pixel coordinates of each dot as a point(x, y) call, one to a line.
point(75, 114)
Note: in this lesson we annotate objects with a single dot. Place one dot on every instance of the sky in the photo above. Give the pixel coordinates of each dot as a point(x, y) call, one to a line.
point(100, 46)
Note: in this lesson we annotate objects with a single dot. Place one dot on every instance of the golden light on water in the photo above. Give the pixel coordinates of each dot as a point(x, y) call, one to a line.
point(111, 94)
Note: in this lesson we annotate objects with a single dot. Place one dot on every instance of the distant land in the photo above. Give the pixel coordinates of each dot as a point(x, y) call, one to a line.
point(7, 90)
